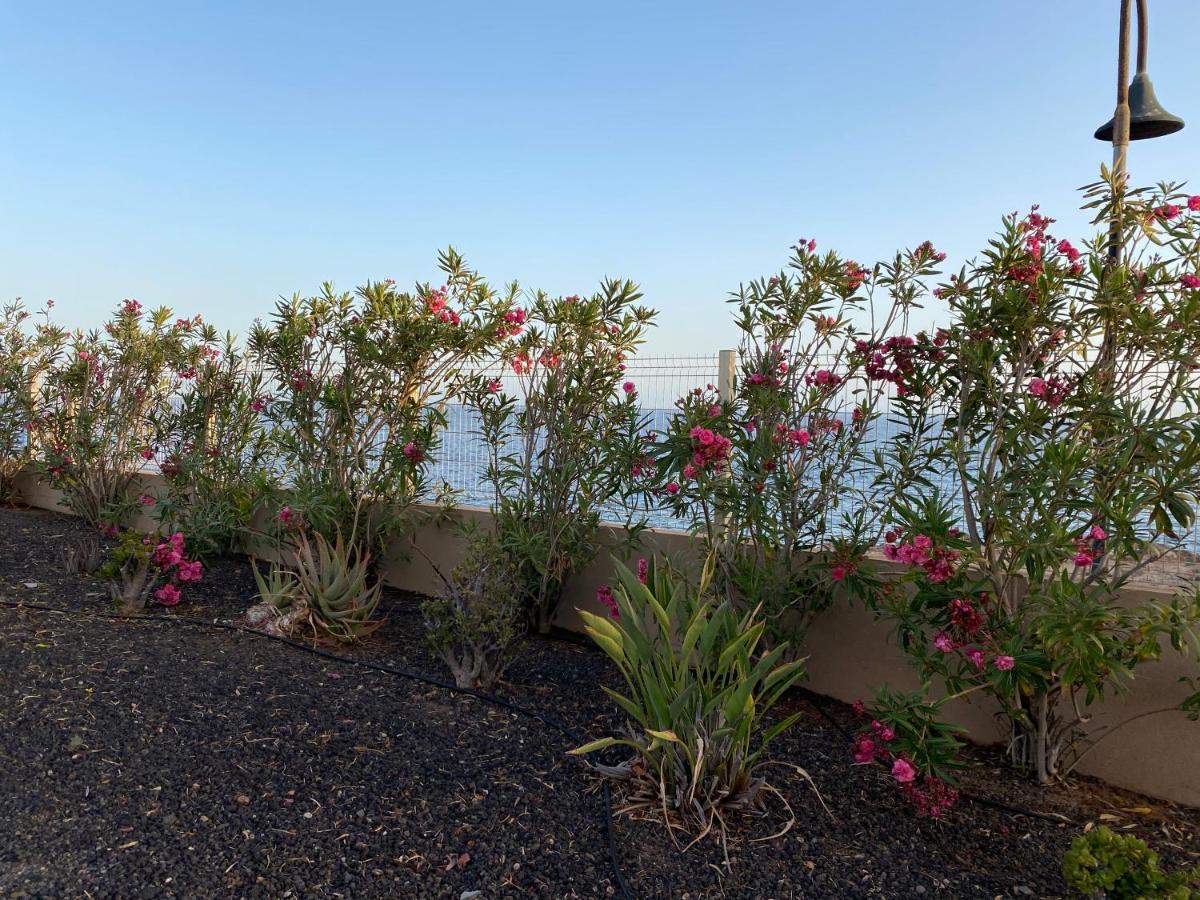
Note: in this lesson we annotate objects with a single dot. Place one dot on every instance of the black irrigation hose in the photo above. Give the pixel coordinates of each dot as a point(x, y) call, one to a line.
point(966, 795)
point(549, 721)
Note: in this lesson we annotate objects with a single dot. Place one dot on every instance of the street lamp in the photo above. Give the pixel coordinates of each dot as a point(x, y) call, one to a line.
point(1139, 115)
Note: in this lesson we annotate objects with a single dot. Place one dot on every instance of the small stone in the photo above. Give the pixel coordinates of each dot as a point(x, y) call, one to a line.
point(243, 800)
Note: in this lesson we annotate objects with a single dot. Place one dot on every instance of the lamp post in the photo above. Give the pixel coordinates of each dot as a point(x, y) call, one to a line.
point(1139, 115)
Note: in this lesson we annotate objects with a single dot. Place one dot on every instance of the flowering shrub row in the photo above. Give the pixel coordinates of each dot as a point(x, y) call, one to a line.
point(1041, 449)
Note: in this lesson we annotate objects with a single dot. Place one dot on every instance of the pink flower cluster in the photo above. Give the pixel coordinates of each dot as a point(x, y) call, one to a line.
point(436, 303)
point(169, 557)
point(709, 450)
point(932, 796)
point(1085, 549)
point(1052, 392)
point(514, 321)
point(938, 562)
point(605, 595)
point(413, 452)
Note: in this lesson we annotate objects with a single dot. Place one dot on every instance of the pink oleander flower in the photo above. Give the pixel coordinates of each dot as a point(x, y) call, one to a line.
point(883, 732)
point(146, 500)
point(1098, 534)
point(629, 387)
point(147, 453)
point(1167, 211)
point(1083, 559)
point(167, 595)
point(864, 750)
point(1194, 203)
point(493, 386)
point(286, 516)
point(689, 471)
point(975, 655)
point(605, 595)
point(714, 411)
point(413, 452)
point(1190, 281)
point(190, 570)
point(672, 488)
point(1037, 387)
point(859, 707)
point(257, 405)
point(837, 573)
point(1004, 663)
point(943, 642)
point(643, 570)
point(903, 771)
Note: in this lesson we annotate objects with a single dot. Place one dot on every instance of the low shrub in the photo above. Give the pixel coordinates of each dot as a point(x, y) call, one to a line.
point(476, 623)
point(698, 695)
point(1104, 864)
point(142, 568)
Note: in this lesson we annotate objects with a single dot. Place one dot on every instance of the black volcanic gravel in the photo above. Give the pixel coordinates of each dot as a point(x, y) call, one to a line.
point(140, 758)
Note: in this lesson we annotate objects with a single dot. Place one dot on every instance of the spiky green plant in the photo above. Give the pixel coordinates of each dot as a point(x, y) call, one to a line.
point(698, 695)
point(332, 581)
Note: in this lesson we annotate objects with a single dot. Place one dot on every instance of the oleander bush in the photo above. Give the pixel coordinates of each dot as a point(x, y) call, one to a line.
point(213, 454)
point(26, 356)
point(100, 428)
point(357, 386)
point(561, 445)
point(1057, 412)
point(142, 568)
point(780, 482)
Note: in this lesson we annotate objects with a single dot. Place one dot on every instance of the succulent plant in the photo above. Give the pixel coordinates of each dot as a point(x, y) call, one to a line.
point(332, 581)
point(82, 556)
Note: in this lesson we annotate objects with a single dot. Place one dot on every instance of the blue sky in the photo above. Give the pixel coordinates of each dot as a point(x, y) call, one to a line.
point(214, 156)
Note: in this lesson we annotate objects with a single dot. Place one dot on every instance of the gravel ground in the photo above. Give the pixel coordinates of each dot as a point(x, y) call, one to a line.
point(140, 758)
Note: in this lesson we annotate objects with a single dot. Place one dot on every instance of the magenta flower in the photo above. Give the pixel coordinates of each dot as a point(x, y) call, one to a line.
point(837, 573)
point(1004, 663)
point(943, 642)
point(146, 500)
point(191, 571)
point(167, 595)
point(1193, 203)
point(1097, 533)
point(864, 750)
point(629, 387)
point(493, 386)
point(903, 771)
point(672, 487)
point(147, 453)
point(1190, 281)
point(605, 595)
point(413, 452)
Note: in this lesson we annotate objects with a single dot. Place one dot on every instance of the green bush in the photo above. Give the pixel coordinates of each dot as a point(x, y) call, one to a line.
point(476, 623)
point(698, 695)
point(1115, 866)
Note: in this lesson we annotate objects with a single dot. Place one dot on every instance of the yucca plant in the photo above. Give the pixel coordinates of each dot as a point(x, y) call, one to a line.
point(698, 695)
point(332, 583)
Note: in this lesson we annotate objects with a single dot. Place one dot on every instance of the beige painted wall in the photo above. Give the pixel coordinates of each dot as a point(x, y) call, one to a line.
point(849, 653)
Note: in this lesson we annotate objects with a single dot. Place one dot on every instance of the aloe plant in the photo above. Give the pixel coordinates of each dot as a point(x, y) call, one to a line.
point(332, 581)
point(698, 693)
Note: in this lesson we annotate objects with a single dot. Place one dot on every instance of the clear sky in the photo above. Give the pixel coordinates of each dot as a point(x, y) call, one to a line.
point(213, 156)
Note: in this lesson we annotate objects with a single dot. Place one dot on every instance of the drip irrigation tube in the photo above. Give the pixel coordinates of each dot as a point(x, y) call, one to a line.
point(549, 721)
